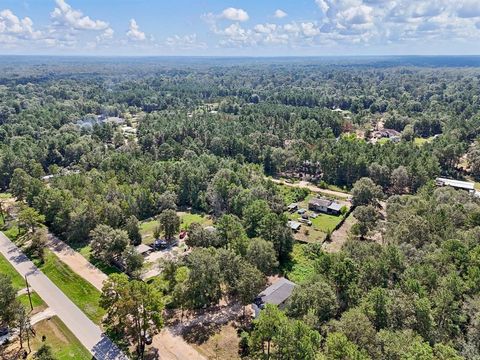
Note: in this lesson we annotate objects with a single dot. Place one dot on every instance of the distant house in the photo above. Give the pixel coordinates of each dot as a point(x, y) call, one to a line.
point(143, 249)
point(292, 207)
point(294, 225)
point(387, 133)
point(325, 206)
point(276, 294)
point(211, 229)
point(456, 184)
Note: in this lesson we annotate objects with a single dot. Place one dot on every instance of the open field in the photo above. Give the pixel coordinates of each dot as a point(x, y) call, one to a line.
point(422, 141)
point(147, 228)
point(301, 267)
point(64, 344)
point(86, 252)
point(19, 283)
point(222, 345)
point(321, 225)
point(5, 268)
point(82, 293)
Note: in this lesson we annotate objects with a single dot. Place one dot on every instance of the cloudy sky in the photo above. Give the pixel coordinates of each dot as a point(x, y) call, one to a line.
point(239, 27)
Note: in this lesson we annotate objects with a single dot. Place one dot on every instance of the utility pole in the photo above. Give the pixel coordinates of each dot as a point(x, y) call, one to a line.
point(28, 292)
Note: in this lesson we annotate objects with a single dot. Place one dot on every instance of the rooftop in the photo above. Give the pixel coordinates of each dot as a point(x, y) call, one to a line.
point(143, 249)
point(294, 225)
point(320, 202)
point(456, 183)
point(335, 206)
point(278, 292)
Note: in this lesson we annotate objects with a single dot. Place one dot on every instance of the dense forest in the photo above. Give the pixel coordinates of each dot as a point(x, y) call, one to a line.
point(93, 147)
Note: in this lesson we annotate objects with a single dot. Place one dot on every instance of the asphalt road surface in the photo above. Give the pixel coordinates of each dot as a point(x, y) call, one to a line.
point(87, 332)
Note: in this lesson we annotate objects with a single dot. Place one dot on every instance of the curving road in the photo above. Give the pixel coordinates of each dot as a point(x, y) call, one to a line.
point(88, 333)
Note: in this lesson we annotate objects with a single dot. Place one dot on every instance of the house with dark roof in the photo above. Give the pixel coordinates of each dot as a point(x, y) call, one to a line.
point(276, 294)
point(325, 206)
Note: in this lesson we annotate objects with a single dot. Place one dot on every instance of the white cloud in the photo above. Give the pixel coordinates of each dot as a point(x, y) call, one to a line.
point(309, 29)
point(134, 32)
point(234, 14)
point(279, 14)
point(186, 42)
point(13, 28)
point(265, 28)
point(322, 4)
point(63, 14)
point(106, 35)
point(469, 9)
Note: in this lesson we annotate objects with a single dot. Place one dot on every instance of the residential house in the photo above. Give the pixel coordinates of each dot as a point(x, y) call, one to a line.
point(325, 206)
point(276, 294)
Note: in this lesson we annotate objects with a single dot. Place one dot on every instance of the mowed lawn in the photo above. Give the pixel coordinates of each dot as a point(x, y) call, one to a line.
point(64, 344)
point(19, 283)
point(321, 225)
point(147, 228)
point(82, 293)
point(5, 268)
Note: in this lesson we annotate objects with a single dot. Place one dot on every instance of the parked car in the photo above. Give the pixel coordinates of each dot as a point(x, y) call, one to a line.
point(148, 339)
point(301, 211)
point(160, 244)
point(313, 215)
point(5, 335)
point(305, 221)
point(305, 216)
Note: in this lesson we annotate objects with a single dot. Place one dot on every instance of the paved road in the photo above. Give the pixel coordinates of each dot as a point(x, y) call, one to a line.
point(88, 333)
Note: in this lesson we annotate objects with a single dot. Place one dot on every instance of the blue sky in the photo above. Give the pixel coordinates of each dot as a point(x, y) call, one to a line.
point(240, 28)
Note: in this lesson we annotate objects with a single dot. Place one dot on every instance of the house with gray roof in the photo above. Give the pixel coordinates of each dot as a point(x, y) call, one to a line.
point(325, 206)
point(276, 294)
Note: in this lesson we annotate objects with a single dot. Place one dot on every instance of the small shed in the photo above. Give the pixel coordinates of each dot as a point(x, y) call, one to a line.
point(294, 225)
point(292, 207)
point(143, 249)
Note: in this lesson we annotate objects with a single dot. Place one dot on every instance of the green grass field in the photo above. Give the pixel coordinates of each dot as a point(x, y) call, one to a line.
point(422, 141)
point(86, 252)
point(147, 228)
point(5, 268)
point(4, 196)
point(82, 293)
point(300, 268)
point(326, 222)
point(19, 283)
point(36, 301)
point(321, 225)
point(64, 344)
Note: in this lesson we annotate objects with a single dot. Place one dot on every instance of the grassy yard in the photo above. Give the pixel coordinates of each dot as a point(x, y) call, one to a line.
point(82, 293)
point(4, 196)
point(301, 267)
point(37, 301)
point(6, 268)
point(422, 141)
point(19, 283)
point(321, 225)
point(86, 252)
point(64, 344)
point(147, 228)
